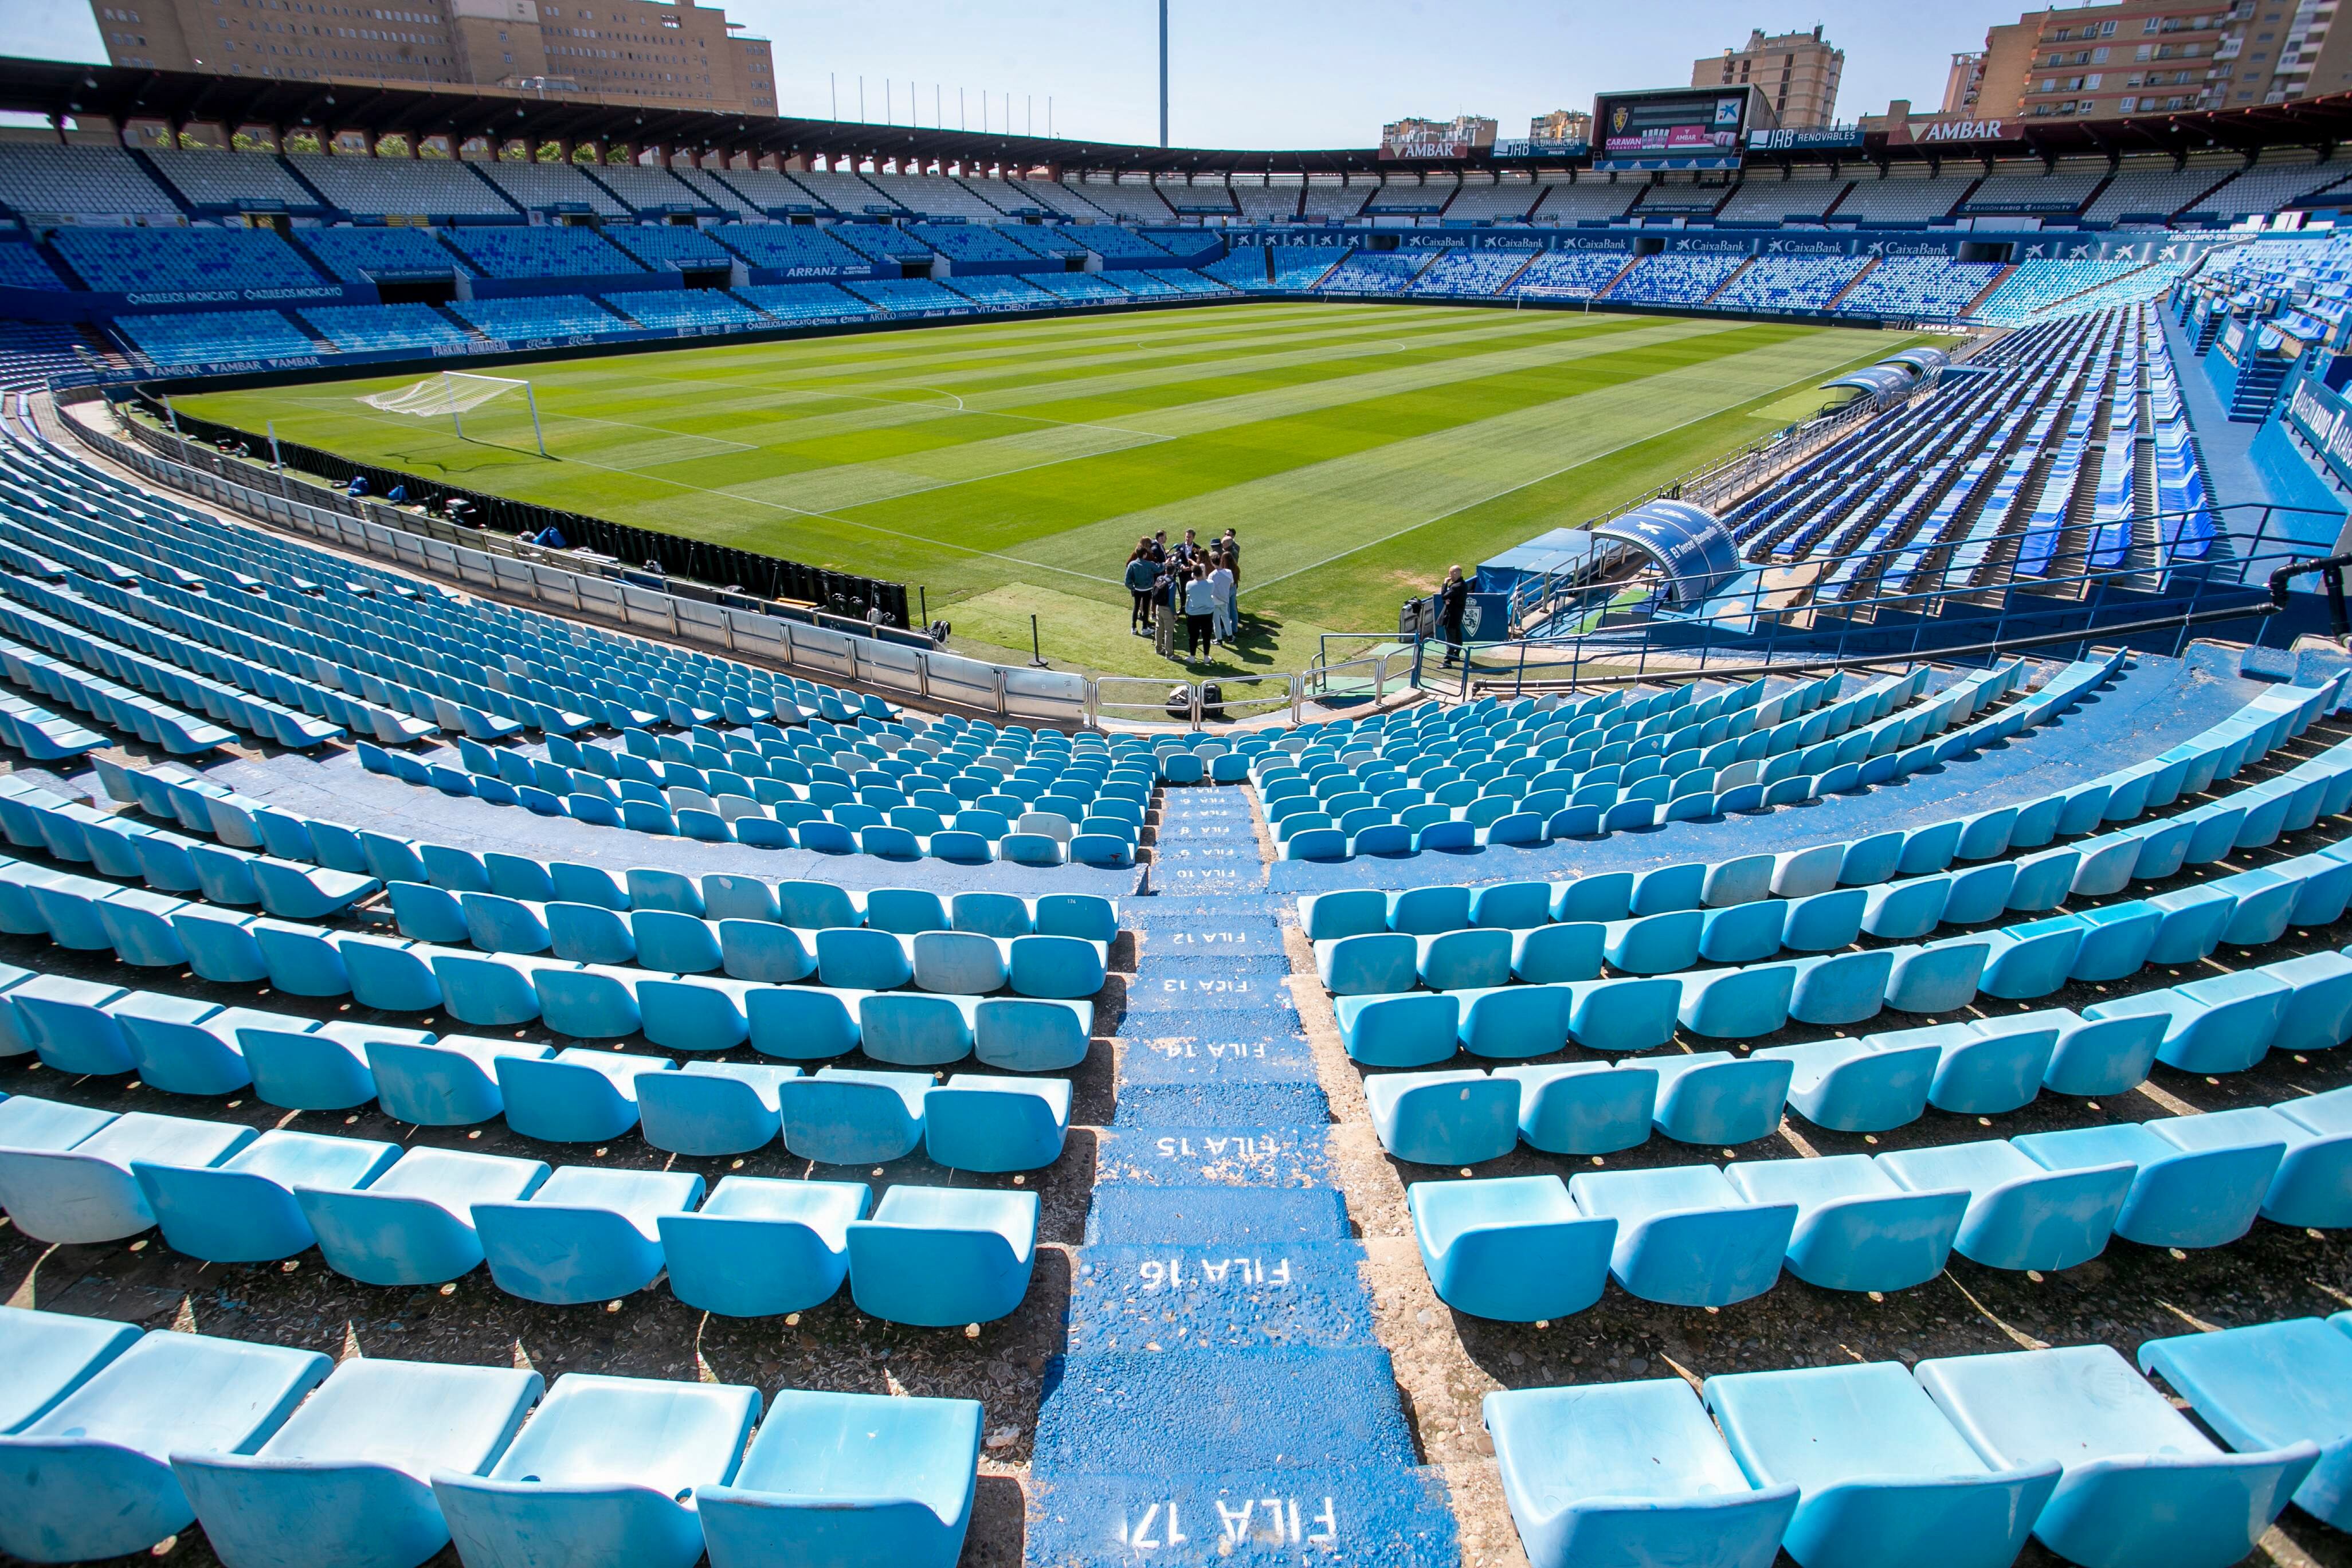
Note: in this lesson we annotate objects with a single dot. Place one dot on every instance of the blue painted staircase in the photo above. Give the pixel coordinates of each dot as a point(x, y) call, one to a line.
point(1223, 1399)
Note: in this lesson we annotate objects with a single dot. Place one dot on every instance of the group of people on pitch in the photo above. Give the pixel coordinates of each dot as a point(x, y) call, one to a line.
point(1198, 583)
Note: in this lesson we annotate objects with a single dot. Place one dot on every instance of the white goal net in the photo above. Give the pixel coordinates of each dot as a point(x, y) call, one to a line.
point(455, 394)
point(452, 392)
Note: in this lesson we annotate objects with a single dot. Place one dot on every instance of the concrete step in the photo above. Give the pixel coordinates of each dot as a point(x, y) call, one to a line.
point(1231, 985)
point(1135, 1412)
point(1339, 1517)
point(1184, 1102)
point(1234, 1155)
point(1257, 1216)
point(1176, 1297)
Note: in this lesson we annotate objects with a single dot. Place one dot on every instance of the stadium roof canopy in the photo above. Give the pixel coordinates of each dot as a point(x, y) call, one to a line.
point(60, 89)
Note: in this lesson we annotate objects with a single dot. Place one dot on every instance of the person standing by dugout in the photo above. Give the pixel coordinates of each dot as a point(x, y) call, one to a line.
point(1452, 599)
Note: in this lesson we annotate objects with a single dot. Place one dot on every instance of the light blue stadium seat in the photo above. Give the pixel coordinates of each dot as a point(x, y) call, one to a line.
point(1882, 1474)
point(1857, 1229)
point(2180, 1197)
point(604, 1476)
point(859, 959)
point(2020, 1214)
point(1978, 1072)
point(1511, 1023)
point(845, 1117)
point(67, 1022)
point(2222, 1023)
point(50, 1354)
point(2140, 1484)
point(187, 1046)
point(591, 933)
point(978, 1122)
point(414, 1224)
point(1743, 933)
point(1570, 951)
point(1684, 1236)
point(586, 1234)
point(849, 1478)
point(709, 1109)
point(1584, 1108)
point(1711, 1097)
point(346, 1478)
point(587, 1002)
point(91, 1478)
point(579, 1095)
point(936, 1257)
point(1444, 1118)
point(1628, 1473)
point(242, 1209)
point(1852, 1086)
point(1659, 943)
point(490, 991)
point(2267, 1386)
point(75, 1184)
point(1066, 967)
point(451, 1081)
point(2096, 1056)
point(760, 951)
point(2313, 1185)
point(1514, 1249)
point(760, 1248)
point(1738, 1003)
point(1412, 1030)
point(1623, 1014)
point(675, 942)
point(912, 1029)
point(389, 975)
point(1366, 963)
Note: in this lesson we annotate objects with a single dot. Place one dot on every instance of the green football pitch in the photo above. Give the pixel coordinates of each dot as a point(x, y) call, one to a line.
point(1008, 467)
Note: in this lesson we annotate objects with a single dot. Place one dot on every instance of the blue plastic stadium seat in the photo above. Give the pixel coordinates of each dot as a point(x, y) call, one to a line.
point(604, 1476)
point(1851, 1085)
point(91, 1478)
point(1711, 1097)
point(978, 1122)
point(849, 1478)
point(2268, 1386)
point(348, 1478)
point(75, 1184)
point(1684, 1236)
point(1884, 1475)
point(1414, 1029)
point(935, 1256)
point(1857, 1229)
point(242, 1209)
point(451, 1081)
point(1584, 1108)
point(1444, 1118)
point(1516, 1248)
point(414, 1224)
point(1628, 1473)
point(2180, 1197)
point(2020, 1214)
point(709, 1109)
point(2140, 1484)
point(586, 1234)
point(50, 1354)
point(760, 1248)
point(844, 1117)
point(579, 1095)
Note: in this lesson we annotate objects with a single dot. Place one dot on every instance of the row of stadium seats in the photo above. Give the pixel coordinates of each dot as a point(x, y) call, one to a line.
point(117, 1441)
point(52, 182)
point(1951, 1459)
point(201, 337)
point(1975, 480)
point(565, 1236)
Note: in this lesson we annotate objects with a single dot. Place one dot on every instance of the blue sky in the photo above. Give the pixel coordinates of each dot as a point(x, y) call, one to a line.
point(1259, 74)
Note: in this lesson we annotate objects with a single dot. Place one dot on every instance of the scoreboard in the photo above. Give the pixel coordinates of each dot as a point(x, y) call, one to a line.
point(1694, 127)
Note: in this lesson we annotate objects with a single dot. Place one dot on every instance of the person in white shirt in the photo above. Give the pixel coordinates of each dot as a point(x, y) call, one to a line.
point(1200, 614)
point(1221, 583)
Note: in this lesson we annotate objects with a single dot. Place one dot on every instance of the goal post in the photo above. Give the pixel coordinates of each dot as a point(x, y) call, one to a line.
point(457, 392)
